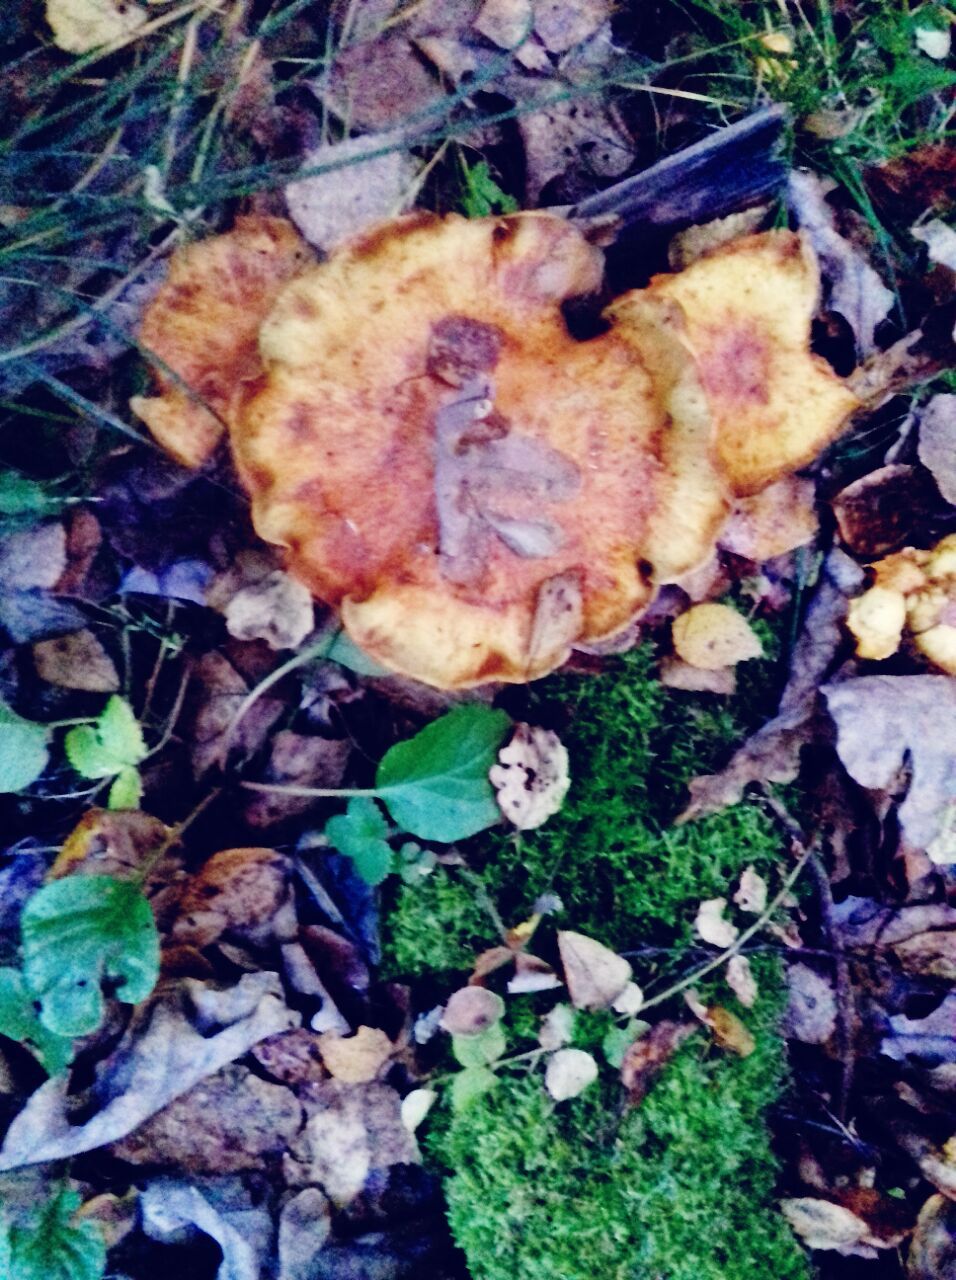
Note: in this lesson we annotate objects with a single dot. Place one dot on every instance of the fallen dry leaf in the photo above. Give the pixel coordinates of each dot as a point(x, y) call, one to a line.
point(821, 1224)
point(305, 1225)
point(416, 1106)
point(228, 1123)
point(32, 558)
point(221, 691)
point(768, 524)
point(560, 25)
point(292, 1057)
point(856, 291)
point(356, 1059)
point(76, 661)
point(880, 511)
point(531, 778)
point(79, 26)
point(297, 760)
point(931, 1039)
point(352, 1131)
point(645, 1058)
point(751, 893)
point(729, 1032)
point(940, 241)
point(222, 1209)
point(811, 1013)
point(594, 974)
point(937, 443)
point(712, 925)
point(741, 980)
point(677, 674)
point(772, 754)
point(932, 1254)
point(711, 636)
point(884, 720)
point(568, 1073)
point(278, 610)
point(236, 894)
point(557, 1027)
point(356, 189)
point(171, 1045)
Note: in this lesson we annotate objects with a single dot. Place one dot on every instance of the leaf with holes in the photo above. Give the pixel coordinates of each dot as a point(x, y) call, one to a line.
point(19, 1021)
point(79, 931)
point(436, 784)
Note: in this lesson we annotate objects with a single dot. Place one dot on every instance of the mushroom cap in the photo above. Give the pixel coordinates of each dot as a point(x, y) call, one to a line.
point(473, 487)
point(203, 325)
point(747, 307)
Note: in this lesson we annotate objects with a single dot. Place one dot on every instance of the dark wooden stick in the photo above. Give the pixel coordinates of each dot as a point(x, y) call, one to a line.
point(732, 169)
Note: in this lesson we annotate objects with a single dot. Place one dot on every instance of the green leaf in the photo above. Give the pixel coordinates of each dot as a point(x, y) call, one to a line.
point(23, 750)
point(127, 791)
point(112, 744)
point(19, 1021)
point(54, 1247)
point(482, 196)
point(6, 1249)
point(21, 498)
point(469, 1085)
point(360, 834)
point(482, 1049)
point(436, 785)
point(78, 931)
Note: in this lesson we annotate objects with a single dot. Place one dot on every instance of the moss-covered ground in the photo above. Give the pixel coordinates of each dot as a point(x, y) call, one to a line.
point(682, 1186)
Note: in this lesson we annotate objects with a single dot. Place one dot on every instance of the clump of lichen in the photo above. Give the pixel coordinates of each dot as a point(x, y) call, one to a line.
point(680, 1187)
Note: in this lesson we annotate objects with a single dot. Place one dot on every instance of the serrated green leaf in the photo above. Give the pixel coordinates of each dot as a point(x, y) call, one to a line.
point(78, 931)
point(19, 1021)
point(55, 1247)
point(482, 1049)
point(23, 750)
point(469, 1085)
point(482, 195)
point(360, 833)
point(106, 748)
point(435, 785)
point(127, 791)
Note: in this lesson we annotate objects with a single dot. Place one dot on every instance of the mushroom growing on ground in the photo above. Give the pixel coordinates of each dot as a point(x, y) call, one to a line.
point(472, 487)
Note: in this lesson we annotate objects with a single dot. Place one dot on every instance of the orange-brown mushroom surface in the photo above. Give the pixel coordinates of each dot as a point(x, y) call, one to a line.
point(475, 489)
point(203, 326)
point(469, 484)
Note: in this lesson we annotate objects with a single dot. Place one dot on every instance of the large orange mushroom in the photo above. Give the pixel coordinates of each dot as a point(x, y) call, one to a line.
point(471, 486)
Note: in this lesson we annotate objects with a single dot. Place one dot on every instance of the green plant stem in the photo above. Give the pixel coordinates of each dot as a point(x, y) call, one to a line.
point(737, 945)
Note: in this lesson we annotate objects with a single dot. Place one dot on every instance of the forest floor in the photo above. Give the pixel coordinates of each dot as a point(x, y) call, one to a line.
point(640, 970)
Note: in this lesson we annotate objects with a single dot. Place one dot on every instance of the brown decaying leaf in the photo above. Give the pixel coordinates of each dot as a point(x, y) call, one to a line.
point(358, 1058)
point(768, 524)
point(292, 1057)
point(880, 511)
point(223, 1209)
point(823, 1224)
point(278, 609)
point(172, 1043)
point(357, 188)
point(531, 777)
point(676, 674)
point(811, 1015)
point(237, 893)
point(937, 443)
point(856, 291)
point(884, 720)
point(594, 974)
point(297, 760)
point(932, 1254)
point(220, 691)
point(76, 661)
point(648, 1054)
point(729, 1032)
point(772, 754)
point(351, 1131)
point(230, 1122)
point(712, 636)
